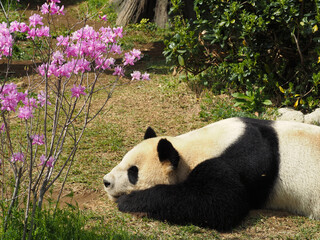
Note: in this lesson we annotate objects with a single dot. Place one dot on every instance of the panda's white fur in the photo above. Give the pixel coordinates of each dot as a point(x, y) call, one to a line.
point(296, 188)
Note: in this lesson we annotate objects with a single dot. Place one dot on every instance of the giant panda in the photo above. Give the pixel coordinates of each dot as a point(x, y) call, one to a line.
point(215, 175)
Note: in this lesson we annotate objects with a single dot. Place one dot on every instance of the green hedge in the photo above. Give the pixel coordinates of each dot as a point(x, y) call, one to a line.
point(264, 49)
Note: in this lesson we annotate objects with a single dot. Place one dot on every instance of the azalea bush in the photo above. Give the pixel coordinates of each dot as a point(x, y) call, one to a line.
point(263, 49)
point(41, 126)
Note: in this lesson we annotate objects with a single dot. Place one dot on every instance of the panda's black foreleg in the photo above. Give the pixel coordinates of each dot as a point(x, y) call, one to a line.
point(212, 196)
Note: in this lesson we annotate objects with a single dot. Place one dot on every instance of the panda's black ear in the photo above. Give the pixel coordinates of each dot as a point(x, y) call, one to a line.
point(167, 152)
point(150, 133)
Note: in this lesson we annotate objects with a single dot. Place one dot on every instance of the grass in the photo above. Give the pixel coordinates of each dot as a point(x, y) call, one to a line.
point(65, 224)
point(95, 8)
point(171, 108)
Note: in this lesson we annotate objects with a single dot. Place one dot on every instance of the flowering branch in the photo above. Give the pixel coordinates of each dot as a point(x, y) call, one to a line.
point(58, 104)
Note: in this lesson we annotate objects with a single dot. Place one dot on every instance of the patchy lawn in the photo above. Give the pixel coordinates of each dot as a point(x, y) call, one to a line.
point(171, 108)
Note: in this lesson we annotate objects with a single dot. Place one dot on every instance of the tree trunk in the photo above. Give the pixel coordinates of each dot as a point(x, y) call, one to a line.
point(132, 11)
point(161, 13)
point(128, 10)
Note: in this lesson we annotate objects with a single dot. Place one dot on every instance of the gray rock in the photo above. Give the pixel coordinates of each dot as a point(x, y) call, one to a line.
point(313, 118)
point(287, 114)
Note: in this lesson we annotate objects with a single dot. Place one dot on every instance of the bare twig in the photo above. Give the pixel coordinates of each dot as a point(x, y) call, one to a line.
point(298, 48)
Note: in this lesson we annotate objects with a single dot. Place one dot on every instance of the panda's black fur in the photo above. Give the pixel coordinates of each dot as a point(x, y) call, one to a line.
point(219, 192)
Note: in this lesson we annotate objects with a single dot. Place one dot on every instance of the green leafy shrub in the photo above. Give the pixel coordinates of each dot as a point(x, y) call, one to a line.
point(144, 25)
point(252, 100)
point(271, 46)
point(215, 109)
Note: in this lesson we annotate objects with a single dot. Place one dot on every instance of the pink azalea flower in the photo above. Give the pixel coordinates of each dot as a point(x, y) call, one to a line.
point(116, 49)
point(9, 88)
point(61, 10)
point(77, 91)
point(55, 9)
point(42, 99)
point(72, 50)
point(14, 26)
point(10, 101)
point(35, 20)
point(108, 62)
point(6, 41)
point(136, 75)
point(81, 65)
point(44, 31)
point(30, 102)
point(24, 27)
point(136, 53)
point(53, 69)
point(22, 96)
point(88, 32)
point(42, 159)
point(45, 8)
point(63, 40)
point(32, 33)
point(66, 69)
point(42, 69)
point(128, 59)
point(104, 17)
point(118, 70)
point(25, 112)
point(145, 76)
point(107, 35)
point(49, 163)
point(77, 35)
point(19, 156)
point(118, 31)
point(9, 97)
point(57, 57)
point(37, 139)
point(2, 128)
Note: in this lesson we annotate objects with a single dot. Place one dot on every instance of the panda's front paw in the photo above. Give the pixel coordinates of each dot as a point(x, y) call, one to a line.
point(123, 203)
point(129, 203)
point(134, 203)
point(126, 203)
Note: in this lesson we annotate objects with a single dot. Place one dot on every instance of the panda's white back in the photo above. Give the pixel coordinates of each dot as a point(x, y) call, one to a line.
point(208, 142)
point(298, 187)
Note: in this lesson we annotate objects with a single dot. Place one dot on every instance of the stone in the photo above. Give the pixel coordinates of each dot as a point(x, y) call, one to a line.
point(287, 114)
point(313, 118)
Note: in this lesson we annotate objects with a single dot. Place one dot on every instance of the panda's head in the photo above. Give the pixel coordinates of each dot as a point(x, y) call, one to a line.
point(153, 161)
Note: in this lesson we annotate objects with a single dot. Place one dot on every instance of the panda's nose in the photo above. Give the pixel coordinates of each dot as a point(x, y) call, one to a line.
point(106, 183)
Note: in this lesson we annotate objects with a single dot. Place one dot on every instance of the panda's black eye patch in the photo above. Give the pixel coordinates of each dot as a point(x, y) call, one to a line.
point(133, 174)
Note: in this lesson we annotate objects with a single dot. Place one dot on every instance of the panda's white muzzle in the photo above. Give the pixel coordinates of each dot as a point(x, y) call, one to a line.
point(114, 190)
